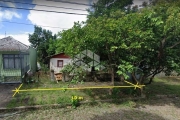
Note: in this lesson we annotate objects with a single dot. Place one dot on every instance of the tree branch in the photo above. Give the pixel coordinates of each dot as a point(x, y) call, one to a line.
point(153, 74)
point(134, 77)
point(174, 45)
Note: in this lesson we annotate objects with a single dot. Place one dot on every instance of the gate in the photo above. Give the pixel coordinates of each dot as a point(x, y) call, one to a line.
point(13, 67)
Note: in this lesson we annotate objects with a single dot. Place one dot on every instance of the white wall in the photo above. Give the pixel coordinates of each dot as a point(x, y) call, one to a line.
point(53, 64)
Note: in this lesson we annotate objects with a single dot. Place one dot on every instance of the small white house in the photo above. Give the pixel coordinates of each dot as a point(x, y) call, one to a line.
point(58, 61)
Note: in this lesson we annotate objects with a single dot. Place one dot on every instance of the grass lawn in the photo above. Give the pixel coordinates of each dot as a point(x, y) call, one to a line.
point(162, 102)
point(164, 86)
point(30, 98)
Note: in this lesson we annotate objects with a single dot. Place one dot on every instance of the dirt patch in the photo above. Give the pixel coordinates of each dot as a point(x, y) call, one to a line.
point(6, 93)
point(102, 111)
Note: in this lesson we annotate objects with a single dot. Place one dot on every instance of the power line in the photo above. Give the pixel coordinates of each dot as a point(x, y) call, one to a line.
point(44, 5)
point(43, 10)
point(33, 25)
point(76, 3)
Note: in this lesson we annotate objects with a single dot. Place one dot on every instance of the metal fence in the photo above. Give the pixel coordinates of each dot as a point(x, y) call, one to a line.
point(14, 74)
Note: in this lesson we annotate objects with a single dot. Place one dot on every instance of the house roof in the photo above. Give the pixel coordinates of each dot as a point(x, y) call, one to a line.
point(60, 55)
point(10, 44)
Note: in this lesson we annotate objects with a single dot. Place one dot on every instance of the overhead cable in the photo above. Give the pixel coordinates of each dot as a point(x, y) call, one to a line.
point(76, 3)
point(43, 10)
point(33, 25)
point(43, 5)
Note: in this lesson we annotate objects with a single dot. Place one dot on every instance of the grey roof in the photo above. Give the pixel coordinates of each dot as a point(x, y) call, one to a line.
point(10, 44)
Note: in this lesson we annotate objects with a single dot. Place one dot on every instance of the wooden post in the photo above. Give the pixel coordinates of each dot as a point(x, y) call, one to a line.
point(52, 75)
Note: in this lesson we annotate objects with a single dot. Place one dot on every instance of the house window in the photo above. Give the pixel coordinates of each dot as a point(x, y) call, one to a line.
point(11, 61)
point(60, 63)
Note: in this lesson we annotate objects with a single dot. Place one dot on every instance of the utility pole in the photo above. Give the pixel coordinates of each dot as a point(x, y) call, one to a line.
point(5, 33)
point(90, 3)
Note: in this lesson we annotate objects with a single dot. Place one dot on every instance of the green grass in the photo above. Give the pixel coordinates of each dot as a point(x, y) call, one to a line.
point(29, 98)
point(163, 86)
point(150, 108)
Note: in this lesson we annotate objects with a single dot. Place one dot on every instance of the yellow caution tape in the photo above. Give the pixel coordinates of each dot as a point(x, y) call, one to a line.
point(77, 88)
point(17, 90)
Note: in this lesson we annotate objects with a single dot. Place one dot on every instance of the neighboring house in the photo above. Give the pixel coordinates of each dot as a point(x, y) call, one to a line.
point(58, 61)
point(16, 59)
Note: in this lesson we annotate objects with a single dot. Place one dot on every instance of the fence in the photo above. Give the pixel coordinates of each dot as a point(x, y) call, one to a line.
point(12, 69)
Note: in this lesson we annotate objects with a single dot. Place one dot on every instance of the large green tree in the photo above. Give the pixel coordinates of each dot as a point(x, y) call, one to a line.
point(43, 40)
point(151, 39)
point(138, 45)
point(105, 7)
point(80, 38)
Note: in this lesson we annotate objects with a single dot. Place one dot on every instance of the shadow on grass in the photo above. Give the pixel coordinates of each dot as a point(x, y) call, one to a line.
point(128, 115)
point(21, 100)
point(162, 92)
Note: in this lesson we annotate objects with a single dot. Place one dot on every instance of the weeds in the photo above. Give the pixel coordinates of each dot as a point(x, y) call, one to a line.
point(159, 86)
point(61, 100)
point(75, 101)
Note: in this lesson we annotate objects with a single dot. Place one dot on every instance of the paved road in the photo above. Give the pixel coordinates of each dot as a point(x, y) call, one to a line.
point(6, 93)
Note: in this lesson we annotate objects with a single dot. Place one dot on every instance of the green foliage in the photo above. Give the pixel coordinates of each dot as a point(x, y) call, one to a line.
point(44, 42)
point(73, 37)
point(115, 93)
point(106, 7)
point(52, 46)
point(64, 90)
point(124, 68)
point(129, 103)
point(146, 41)
point(75, 101)
point(67, 69)
point(63, 100)
point(79, 75)
point(77, 72)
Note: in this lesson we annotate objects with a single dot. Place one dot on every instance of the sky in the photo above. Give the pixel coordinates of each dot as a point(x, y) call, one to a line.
point(19, 23)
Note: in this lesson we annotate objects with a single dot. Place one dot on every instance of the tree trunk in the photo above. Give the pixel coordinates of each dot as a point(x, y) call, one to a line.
point(150, 81)
point(112, 76)
point(134, 79)
point(112, 80)
point(141, 92)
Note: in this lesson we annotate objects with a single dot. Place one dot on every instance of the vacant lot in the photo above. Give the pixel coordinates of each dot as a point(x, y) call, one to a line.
point(162, 102)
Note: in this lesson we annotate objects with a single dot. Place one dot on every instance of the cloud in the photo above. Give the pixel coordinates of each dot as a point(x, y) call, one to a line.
point(20, 37)
point(8, 15)
point(57, 19)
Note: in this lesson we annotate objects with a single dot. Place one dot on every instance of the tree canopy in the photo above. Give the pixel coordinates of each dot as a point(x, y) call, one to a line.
point(141, 44)
point(43, 40)
point(105, 7)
